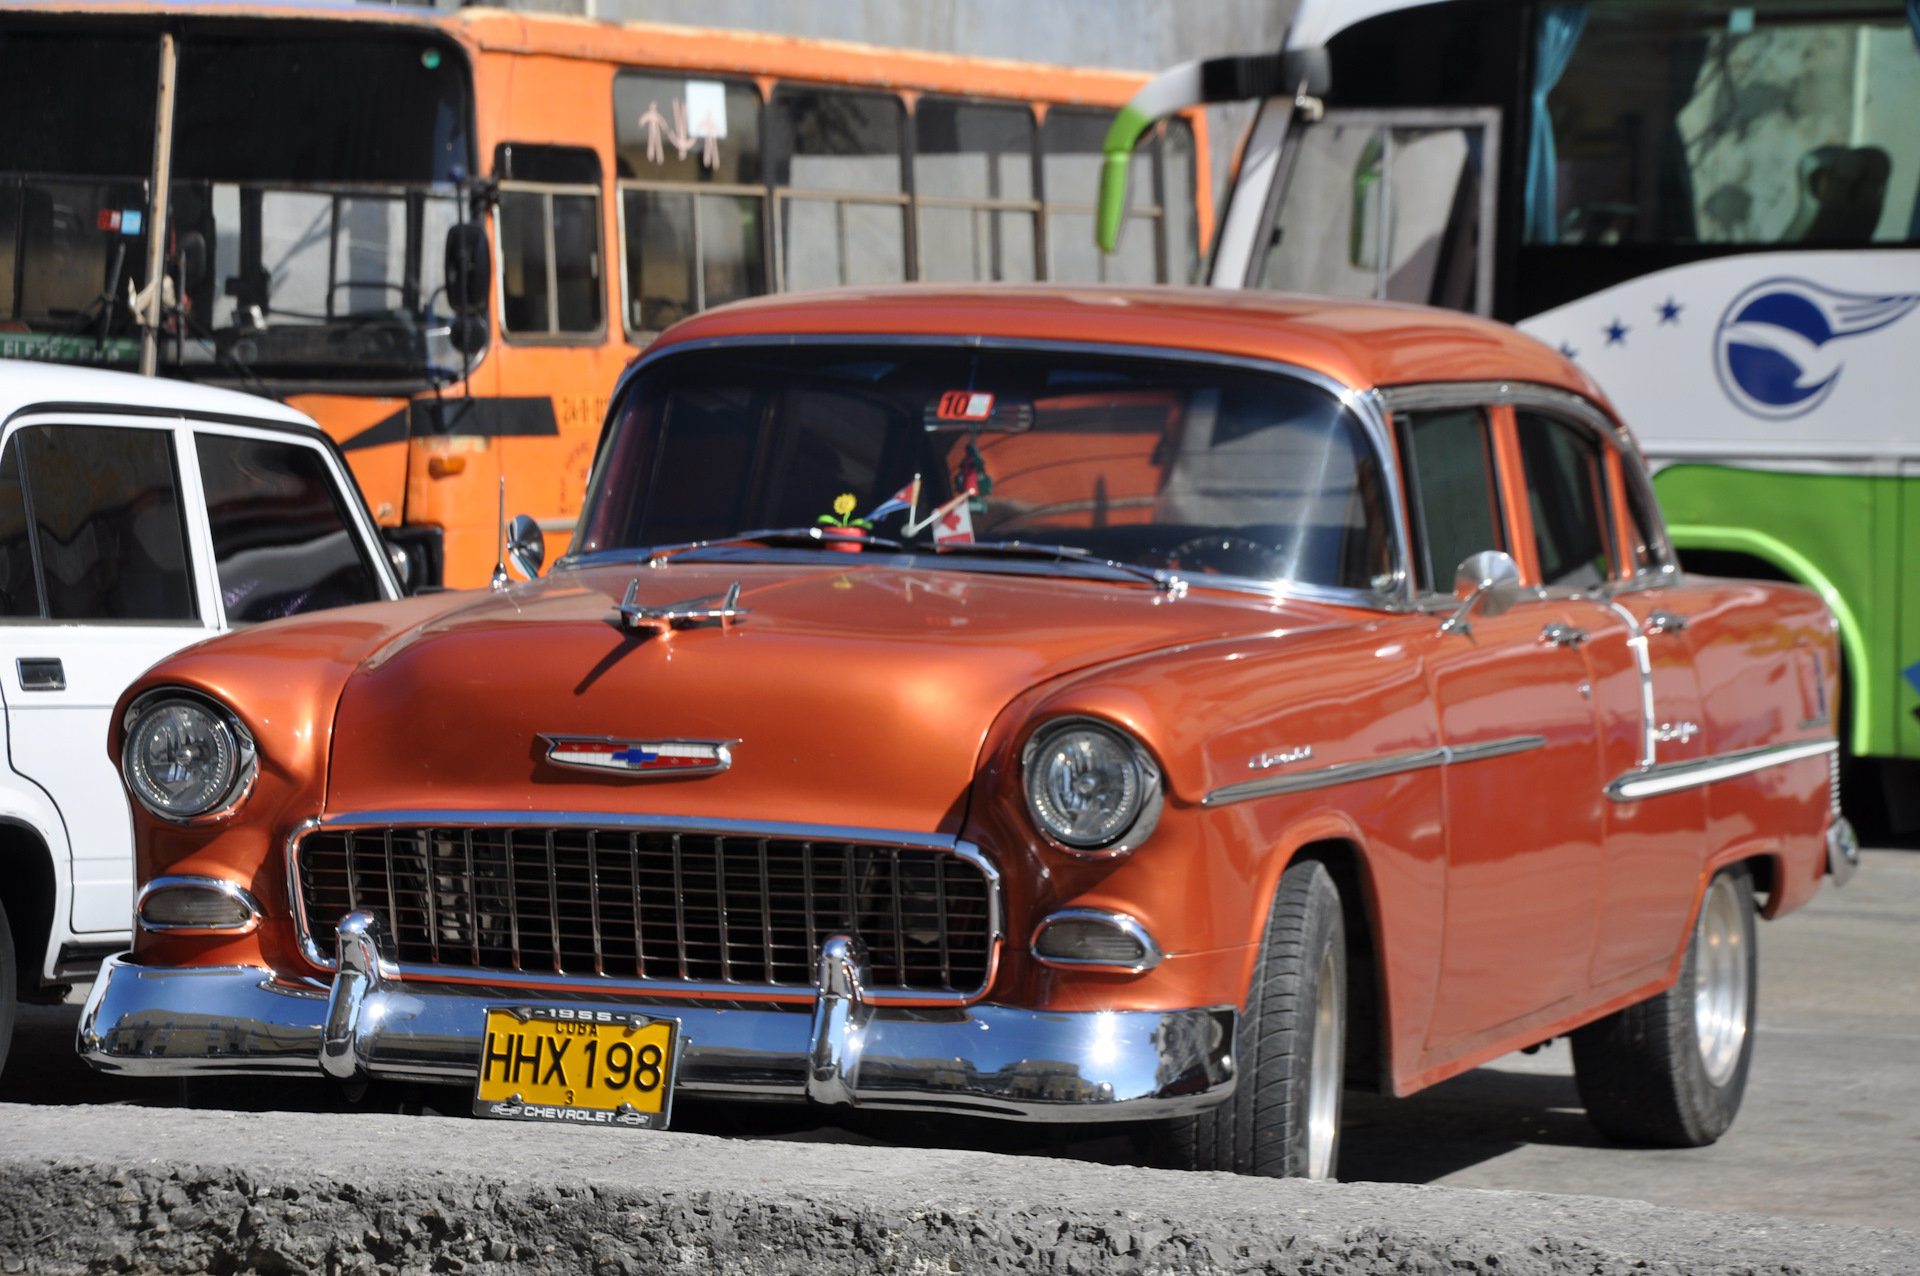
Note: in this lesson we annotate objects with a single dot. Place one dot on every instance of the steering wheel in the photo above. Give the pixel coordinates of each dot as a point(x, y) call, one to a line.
point(1219, 555)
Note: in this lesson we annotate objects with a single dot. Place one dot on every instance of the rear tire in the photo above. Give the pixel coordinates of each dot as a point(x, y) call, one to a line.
point(1283, 1120)
point(9, 988)
point(1671, 1071)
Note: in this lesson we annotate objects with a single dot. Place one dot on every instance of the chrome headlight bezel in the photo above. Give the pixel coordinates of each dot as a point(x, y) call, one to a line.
point(1146, 815)
point(246, 767)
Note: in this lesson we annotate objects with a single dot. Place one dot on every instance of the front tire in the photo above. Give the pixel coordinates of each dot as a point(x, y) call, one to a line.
point(9, 988)
point(1671, 1071)
point(1283, 1120)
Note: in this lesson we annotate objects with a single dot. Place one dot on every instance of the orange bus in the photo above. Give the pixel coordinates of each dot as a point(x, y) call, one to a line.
point(442, 235)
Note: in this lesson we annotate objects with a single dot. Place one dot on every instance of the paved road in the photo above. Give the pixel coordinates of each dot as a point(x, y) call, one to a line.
point(1830, 1130)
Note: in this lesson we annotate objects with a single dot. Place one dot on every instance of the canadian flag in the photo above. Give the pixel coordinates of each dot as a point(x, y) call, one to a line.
point(953, 524)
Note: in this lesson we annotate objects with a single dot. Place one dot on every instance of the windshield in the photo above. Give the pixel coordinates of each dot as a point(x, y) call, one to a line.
point(1691, 121)
point(1157, 463)
point(314, 179)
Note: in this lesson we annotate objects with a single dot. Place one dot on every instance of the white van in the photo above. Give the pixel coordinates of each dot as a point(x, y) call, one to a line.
point(137, 516)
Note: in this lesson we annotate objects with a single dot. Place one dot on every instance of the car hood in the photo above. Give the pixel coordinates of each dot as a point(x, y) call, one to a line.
point(858, 696)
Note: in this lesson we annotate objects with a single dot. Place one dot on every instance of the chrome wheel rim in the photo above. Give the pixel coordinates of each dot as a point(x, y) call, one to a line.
point(1323, 1082)
point(1720, 982)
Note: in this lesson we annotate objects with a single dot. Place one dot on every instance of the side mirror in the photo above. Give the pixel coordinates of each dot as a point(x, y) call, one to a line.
point(1489, 580)
point(526, 547)
point(469, 276)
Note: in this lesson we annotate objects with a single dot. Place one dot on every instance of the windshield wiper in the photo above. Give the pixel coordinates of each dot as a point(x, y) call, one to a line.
point(1061, 554)
point(776, 537)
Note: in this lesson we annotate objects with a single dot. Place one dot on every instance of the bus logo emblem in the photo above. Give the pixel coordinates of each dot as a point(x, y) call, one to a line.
point(1777, 349)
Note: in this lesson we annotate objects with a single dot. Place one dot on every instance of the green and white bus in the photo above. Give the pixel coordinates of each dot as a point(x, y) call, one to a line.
point(1709, 205)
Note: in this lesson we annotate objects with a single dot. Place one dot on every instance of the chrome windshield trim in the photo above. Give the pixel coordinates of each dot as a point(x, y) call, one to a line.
point(1669, 777)
point(1370, 769)
point(996, 908)
point(1366, 404)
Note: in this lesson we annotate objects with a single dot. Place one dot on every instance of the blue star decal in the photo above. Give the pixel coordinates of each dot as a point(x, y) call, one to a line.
point(1670, 311)
point(1616, 333)
point(1566, 348)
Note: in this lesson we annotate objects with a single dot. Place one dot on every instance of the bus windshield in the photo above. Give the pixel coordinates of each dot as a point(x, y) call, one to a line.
point(314, 178)
point(1704, 122)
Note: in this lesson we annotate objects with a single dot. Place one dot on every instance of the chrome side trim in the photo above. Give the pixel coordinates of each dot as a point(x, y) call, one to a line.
point(232, 890)
point(1370, 769)
point(1667, 777)
point(1643, 661)
point(1151, 955)
point(611, 986)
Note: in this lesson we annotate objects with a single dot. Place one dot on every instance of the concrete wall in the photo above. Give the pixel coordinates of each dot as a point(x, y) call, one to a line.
point(1139, 34)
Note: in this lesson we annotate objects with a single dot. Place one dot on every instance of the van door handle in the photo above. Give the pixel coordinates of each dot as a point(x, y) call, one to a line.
point(1563, 635)
point(1664, 622)
point(40, 674)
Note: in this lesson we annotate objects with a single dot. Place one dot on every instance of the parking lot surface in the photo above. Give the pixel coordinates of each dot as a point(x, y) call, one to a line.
point(1830, 1130)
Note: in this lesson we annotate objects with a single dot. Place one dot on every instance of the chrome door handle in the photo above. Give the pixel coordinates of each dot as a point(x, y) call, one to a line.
point(1563, 635)
point(1664, 622)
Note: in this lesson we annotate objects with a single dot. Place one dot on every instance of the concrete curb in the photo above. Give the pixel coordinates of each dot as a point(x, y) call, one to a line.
point(127, 1189)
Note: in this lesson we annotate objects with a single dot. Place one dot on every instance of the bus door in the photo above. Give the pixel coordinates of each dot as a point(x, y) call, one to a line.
point(1397, 205)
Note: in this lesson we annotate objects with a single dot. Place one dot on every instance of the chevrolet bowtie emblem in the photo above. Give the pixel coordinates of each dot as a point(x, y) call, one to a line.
point(652, 758)
point(684, 614)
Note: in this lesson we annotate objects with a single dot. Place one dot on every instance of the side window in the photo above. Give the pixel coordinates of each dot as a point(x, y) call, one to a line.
point(549, 222)
point(837, 174)
point(1451, 488)
point(973, 181)
point(100, 509)
point(1566, 494)
point(692, 199)
point(282, 540)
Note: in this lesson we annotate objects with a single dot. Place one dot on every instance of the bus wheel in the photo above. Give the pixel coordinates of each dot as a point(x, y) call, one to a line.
point(1283, 1120)
point(1670, 1071)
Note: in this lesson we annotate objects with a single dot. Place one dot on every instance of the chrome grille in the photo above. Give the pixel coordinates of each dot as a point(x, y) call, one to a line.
point(624, 903)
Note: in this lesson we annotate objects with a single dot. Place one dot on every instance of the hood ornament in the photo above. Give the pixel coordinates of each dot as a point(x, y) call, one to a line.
point(684, 614)
point(653, 759)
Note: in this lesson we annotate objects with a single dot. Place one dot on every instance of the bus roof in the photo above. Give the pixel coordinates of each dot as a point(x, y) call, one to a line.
point(660, 44)
point(1361, 344)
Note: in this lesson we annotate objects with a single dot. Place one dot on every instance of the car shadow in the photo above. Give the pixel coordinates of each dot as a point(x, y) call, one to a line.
point(1471, 1119)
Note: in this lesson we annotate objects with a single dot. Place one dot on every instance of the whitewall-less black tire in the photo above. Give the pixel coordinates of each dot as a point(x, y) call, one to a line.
point(1671, 1070)
point(1283, 1120)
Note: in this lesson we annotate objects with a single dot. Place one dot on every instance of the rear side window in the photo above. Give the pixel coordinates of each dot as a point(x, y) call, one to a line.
point(282, 540)
point(90, 525)
point(1450, 485)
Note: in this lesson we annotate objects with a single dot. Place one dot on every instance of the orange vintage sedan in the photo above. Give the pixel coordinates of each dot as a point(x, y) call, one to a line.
point(1047, 704)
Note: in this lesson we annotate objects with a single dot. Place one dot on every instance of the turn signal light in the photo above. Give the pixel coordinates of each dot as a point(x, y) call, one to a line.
point(1092, 938)
point(190, 903)
point(446, 466)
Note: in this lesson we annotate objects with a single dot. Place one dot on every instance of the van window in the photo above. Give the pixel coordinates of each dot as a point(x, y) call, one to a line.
point(282, 540)
point(105, 523)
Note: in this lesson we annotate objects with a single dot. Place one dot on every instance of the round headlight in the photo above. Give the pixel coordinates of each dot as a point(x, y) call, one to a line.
point(1090, 788)
point(183, 758)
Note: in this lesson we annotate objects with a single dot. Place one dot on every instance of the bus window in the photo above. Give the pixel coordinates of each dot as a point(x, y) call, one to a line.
point(1696, 121)
point(973, 185)
point(1070, 174)
point(837, 172)
point(549, 225)
point(692, 196)
point(1383, 204)
point(1182, 222)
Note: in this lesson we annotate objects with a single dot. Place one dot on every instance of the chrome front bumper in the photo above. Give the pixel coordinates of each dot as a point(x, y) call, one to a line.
point(981, 1060)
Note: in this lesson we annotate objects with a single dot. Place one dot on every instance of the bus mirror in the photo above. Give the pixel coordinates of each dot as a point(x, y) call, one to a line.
point(467, 333)
point(469, 270)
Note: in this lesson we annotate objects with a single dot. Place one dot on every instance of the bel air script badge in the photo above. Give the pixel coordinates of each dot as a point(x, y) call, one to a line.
point(651, 758)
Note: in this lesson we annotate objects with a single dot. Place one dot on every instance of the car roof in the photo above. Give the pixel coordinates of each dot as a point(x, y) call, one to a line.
point(1361, 344)
point(25, 384)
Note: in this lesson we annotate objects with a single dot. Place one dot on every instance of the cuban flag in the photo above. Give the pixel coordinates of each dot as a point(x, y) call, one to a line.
point(907, 498)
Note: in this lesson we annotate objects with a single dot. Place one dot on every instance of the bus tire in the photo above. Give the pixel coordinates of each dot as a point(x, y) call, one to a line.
point(1670, 1071)
point(1283, 1118)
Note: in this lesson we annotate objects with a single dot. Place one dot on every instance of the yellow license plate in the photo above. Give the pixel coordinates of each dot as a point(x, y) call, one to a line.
point(577, 1064)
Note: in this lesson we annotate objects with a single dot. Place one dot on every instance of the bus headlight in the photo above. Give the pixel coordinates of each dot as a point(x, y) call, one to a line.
point(1090, 787)
point(186, 757)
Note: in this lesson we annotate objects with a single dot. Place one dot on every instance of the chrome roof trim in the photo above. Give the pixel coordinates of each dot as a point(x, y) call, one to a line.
point(1670, 777)
point(1370, 769)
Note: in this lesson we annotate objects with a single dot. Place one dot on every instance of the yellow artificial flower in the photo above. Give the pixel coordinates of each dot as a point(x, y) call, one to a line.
point(843, 504)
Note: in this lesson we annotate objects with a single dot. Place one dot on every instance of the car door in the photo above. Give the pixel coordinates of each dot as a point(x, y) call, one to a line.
point(1603, 556)
point(102, 582)
point(1523, 817)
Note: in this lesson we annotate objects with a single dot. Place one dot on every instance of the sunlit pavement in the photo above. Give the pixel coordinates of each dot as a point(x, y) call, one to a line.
point(1830, 1129)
